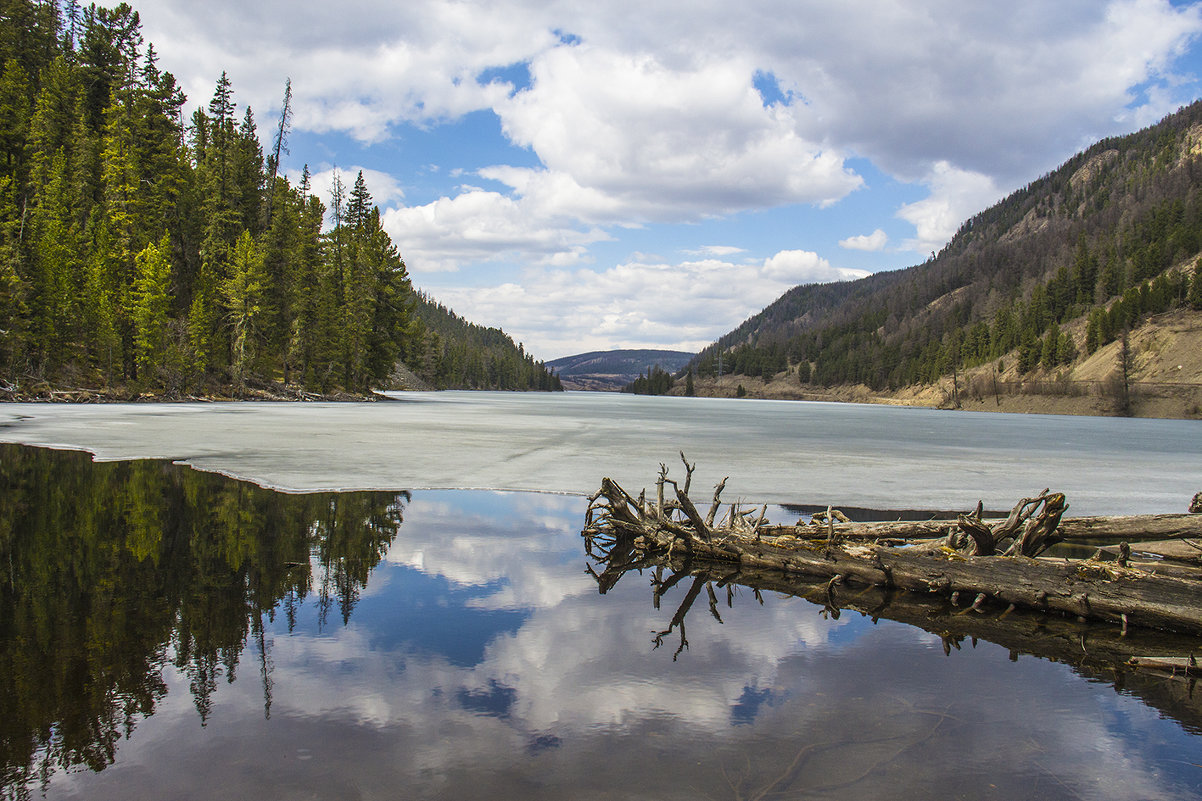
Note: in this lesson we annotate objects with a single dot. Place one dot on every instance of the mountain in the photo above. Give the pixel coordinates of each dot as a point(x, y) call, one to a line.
point(1031, 297)
point(610, 370)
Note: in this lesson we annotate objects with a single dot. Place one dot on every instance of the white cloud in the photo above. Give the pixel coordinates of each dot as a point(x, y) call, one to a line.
point(667, 141)
point(870, 242)
point(359, 68)
point(803, 266)
point(382, 186)
point(682, 306)
point(1008, 91)
point(955, 195)
point(989, 88)
point(715, 250)
point(481, 226)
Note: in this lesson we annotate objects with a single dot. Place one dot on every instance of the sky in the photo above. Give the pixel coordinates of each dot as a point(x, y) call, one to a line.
point(594, 175)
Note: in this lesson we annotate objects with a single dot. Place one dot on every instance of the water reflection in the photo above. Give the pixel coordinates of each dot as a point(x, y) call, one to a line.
point(115, 570)
point(469, 649)
point(1096, 651)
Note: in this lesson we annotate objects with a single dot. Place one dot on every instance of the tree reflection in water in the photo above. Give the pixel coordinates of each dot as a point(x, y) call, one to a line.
point(112, 571)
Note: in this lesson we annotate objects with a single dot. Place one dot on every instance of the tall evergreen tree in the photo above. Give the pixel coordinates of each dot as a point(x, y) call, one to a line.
point(151, 289)
point(242, 293)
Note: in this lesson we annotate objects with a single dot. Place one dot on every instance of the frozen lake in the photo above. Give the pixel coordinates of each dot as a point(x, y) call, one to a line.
point(774, 451)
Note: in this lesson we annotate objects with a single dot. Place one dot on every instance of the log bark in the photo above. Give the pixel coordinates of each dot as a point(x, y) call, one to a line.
point(1132, 528)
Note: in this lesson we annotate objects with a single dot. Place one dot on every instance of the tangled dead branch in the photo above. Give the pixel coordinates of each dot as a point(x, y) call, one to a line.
point(993, 563)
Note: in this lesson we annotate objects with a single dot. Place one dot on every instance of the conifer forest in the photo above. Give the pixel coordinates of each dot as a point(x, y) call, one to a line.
point(147, 248)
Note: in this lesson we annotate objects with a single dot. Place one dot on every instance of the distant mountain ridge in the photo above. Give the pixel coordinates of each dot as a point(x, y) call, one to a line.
point(610, 370)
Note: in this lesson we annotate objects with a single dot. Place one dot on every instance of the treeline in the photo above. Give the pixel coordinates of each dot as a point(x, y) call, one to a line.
point(1105, 236)
point(655, 381)
point(138, 249)
point(457, 354)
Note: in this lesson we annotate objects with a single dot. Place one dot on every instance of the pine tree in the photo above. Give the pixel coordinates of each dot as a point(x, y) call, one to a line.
point(15, 114)
point(246, 175)
point(55, 269)
point(221, 112)
point(242, 294)
point(101, 310)
point(279, 147)
point(358, 204)
point(151, 290)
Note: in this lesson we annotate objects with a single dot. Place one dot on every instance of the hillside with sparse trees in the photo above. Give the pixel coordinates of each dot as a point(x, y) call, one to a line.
point(1032, 296)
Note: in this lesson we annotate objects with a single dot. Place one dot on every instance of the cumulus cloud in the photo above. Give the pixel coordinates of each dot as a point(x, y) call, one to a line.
point(870, 242)
point(989, 88)
point(668, 141)
point(481, 226)
point(623, 126)
point(1006, 91)
point(682, 306)
point(955, 195)
point(358, 68)
point(384, 188)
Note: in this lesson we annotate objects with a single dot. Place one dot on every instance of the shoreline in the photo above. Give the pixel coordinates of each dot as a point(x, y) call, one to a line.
point(1180, 402)
point(1164, 401)
point(47, 393)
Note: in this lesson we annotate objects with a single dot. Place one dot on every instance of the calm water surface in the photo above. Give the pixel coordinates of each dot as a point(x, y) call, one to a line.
point(167, 633)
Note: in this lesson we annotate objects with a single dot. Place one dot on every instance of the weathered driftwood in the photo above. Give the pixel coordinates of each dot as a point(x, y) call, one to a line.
point(633, 532)
point(1187, 551)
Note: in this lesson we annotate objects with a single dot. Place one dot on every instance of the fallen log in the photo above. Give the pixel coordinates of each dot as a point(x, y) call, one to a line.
point(964, 568)
point(1094, 529)
point(1180, 550)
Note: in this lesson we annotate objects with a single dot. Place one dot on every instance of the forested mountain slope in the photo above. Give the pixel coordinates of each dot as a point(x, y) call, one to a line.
point(142, 252)
point(1030, 287)
point(457, 354)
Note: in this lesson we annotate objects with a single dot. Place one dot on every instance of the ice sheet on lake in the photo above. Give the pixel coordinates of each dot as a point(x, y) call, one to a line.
point(773, 451)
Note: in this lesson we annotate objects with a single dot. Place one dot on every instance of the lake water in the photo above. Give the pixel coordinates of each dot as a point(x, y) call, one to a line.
point(774, 451)
point(168, 633)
